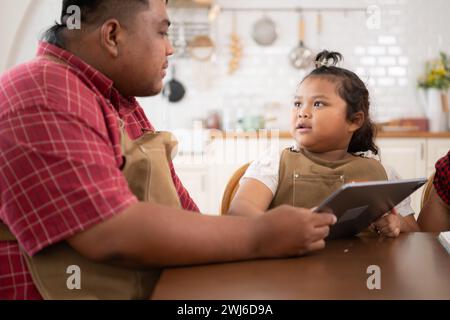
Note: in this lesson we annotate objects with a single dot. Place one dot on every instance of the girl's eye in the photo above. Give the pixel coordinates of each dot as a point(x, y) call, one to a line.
point(297, 104)
point(164, 33)
point(318, 104)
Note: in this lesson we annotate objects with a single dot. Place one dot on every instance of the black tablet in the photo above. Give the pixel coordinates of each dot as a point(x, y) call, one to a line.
point(357, 205)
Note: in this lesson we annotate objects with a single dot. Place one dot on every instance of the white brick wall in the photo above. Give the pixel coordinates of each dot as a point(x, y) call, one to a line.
point(389, 59)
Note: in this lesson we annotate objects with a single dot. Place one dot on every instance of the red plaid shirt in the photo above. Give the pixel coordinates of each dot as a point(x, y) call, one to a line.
point(442, 178)
point(60, 158)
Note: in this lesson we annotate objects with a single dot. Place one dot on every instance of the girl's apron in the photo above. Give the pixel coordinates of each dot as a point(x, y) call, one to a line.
point(305, 180)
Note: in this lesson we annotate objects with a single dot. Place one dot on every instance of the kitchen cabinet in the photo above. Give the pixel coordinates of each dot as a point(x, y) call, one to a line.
point(195, 179)
point(408, 158)
point(205, 176)
point(413, 158)
point(206, 180)
point(437, 148)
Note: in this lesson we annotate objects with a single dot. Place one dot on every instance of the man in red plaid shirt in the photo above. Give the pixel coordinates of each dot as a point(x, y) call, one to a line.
point(60, 157)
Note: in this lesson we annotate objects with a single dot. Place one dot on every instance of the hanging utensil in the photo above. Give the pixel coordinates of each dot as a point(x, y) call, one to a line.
point(174, 90)
point(319, 30)
point(235, 48)
point(180, 43)
point(301, 56)
point(265, 31)
point(201, 48)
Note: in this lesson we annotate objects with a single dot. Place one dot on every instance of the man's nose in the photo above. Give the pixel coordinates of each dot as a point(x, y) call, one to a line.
point(169, 50)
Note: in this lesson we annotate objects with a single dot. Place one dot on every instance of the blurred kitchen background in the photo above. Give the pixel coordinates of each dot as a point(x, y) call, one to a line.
point(235, 72)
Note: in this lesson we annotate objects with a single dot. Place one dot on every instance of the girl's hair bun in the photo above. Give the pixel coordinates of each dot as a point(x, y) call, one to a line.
point(327, 59)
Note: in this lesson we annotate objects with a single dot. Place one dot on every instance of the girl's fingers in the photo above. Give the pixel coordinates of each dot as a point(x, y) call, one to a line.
point(381, 223)
point(390, 231)
point(318, 245)
point(393, 234)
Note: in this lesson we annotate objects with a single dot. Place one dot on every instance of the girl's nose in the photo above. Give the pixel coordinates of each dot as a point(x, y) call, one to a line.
point(304, 113)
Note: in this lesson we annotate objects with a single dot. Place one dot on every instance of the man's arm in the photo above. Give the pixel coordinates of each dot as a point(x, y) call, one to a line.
point(147, 234)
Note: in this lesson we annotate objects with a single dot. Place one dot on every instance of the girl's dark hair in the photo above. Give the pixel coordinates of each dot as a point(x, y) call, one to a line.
point(354, 92)
point(92, 11)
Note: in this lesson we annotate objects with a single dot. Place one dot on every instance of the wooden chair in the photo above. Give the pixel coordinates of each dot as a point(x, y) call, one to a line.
point(426, 191)
point(231, 188)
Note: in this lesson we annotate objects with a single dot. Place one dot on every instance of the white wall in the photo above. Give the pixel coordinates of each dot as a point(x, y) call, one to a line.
point(12, 14)
point(22, 23)
point(389, 59)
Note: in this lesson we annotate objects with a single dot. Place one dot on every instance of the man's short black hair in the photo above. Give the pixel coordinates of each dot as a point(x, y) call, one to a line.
point(93, 12)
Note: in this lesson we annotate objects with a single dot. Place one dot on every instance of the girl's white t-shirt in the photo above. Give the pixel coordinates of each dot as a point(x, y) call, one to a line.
point(266, 168)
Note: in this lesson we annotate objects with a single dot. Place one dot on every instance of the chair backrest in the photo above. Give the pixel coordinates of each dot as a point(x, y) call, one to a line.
point(427, 190)
point(231, 188)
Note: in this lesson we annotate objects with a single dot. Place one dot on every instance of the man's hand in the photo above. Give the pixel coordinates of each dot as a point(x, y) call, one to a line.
point(287, 231)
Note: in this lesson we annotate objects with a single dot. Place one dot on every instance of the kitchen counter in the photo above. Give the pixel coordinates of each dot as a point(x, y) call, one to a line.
point(268, 134)
point(414, 134)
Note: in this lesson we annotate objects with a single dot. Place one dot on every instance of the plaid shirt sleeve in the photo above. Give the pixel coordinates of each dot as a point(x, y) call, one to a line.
point(442, 178)
point(58, 170)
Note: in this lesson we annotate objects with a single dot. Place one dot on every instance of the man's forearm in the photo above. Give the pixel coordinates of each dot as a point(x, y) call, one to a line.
point(151, 235)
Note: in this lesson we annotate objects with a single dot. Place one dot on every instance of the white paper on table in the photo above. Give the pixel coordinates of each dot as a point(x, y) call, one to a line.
point(444, 239)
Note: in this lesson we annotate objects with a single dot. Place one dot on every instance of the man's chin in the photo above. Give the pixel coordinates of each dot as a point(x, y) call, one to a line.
point(149, 91)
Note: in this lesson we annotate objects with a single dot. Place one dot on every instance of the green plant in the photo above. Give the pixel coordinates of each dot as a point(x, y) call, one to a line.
point(437, 74)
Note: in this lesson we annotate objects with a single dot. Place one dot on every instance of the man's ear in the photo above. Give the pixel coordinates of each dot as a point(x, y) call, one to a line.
point(357, 121)
point(110, 33)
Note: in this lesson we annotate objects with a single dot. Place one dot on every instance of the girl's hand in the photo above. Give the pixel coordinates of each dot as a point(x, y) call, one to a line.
point(388, 225)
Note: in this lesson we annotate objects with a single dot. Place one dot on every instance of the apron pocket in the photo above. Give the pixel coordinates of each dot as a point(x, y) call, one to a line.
point(308, 191)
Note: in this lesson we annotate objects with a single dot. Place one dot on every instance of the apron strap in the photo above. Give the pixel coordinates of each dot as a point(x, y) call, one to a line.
point(5, 234)
point(122, 135)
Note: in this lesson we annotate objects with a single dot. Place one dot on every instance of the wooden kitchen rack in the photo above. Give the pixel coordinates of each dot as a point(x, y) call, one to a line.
point(190, 3)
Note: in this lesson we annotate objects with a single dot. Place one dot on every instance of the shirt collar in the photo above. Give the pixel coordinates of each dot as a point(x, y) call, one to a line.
point(103, 84)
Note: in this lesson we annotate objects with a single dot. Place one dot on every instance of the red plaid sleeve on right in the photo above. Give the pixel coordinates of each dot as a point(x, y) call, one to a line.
point(442, 178)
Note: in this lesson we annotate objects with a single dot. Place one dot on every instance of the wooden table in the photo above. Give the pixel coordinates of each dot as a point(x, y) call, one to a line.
point(413, 266)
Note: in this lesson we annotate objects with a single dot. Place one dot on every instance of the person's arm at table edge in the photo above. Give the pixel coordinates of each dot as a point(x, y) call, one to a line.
point(148, 234)
point(435, 214)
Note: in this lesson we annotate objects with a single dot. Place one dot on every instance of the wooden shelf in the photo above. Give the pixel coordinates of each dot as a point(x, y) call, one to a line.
point(418, 134)
point(190, 3)
point(268, 134)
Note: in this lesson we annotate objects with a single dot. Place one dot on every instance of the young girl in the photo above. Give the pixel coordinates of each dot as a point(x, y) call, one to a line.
point(331, 126)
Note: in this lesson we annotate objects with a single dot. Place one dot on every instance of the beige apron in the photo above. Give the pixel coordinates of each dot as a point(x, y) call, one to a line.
point(148, 174)
point(305, 180)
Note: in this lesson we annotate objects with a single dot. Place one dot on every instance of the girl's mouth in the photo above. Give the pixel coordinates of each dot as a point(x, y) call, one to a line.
point(304, 128)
